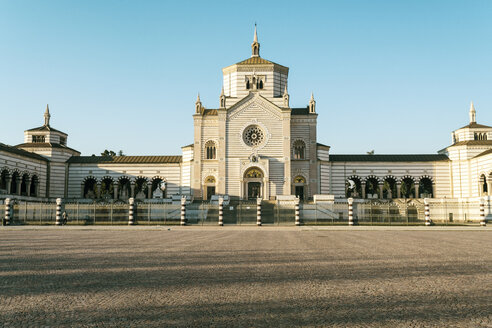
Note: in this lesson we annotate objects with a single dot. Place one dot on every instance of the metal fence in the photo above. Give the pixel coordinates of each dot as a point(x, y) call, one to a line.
point(244, 212)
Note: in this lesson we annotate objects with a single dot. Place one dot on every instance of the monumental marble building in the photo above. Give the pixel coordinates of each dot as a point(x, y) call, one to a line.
point(254, 144)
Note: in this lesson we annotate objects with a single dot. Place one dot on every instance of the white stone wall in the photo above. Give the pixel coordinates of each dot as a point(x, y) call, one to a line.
point(334, 174)
point(269, 118)
point(14, 162)
point(78, 172)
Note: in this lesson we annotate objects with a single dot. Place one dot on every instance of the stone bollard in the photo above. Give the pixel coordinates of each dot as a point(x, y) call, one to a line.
point(183, 211)
point(483, 222)
point(296, 207)
point(58, 212)
point(6, 220)
point(131, 209)
point(428, 220)
point(258, 211)
point(350, 211)
point(221, 211)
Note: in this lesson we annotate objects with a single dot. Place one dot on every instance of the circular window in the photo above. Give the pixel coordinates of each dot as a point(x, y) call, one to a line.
point(253, 135)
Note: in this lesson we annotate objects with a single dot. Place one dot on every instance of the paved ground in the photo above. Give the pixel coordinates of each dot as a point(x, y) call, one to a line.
point(261, 277)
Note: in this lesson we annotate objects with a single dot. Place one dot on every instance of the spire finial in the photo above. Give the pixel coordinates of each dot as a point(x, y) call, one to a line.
point(47, 116)
point(285, 90)
point(312, 104)
point(473, 113)
point(255, 46)
point(198, 98)
point(222, 91)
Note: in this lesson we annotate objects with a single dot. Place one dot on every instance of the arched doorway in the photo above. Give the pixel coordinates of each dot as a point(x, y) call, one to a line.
point(483, 185)
point(299, 187)
point(107, 190)
point(407, 188)
point(372, 187)
point(389, 188)
point(353, 187)
point(253, 183)
point(90, 185)
point(34, 186)
point(209, 186)
point(425, 188)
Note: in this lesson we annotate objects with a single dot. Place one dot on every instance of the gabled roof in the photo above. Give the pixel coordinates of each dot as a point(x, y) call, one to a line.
point(21, 152)
point(125, 159)
point(470, 143)
point(389, 158)
point(300, 111)
point(257, 61)
point(45, 145)
point(46, 128)
point(487, 152)
point(212, 112)
point(475, 125)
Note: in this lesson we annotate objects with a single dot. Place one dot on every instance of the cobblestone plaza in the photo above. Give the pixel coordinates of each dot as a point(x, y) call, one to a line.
point(245, 277)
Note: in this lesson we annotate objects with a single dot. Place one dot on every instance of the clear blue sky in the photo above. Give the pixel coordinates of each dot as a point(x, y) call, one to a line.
point(393, 76)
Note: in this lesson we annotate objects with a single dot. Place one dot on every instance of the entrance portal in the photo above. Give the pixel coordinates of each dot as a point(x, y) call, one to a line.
point(254, 189)
point(300, 192)
point(210, 191)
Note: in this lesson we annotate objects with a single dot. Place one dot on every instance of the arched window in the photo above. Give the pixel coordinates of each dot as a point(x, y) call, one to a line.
point(38, 139)
point(253, 173)
point(247, 84)
point(210, 150)
point(260, 85)
point(299, 149)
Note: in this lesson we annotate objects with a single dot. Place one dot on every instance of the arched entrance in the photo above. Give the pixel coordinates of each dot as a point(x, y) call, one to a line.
point(209, 186)
point(299, 187)
point(253, 183)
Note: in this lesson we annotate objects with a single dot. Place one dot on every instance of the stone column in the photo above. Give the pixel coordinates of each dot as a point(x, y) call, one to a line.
point(350, 211)
point(380, 185)
point(483, 222)
point(183, 211)
point(9, 183)
point(18, 182)
point(28, 186)
point(149, 189)
point(58, 211)
point(428, 221)
point(258, 211)
point(115, 190)
point(433, 190)
point(131, 208)
point(297, 212)
point(363, 184)
point(82, 187)
point(6, 220)
point(398, 189)
point(489, 187)
point(98, 190)
point(37, 188)
point(221, 211)
point(417, 186)
point(132, 189)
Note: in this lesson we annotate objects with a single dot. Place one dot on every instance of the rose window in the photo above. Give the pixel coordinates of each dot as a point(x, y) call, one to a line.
point(253, 135)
